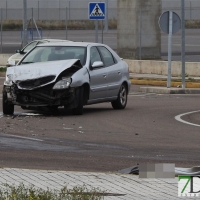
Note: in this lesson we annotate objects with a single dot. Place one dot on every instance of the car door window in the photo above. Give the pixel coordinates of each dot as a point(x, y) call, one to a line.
point(107, 56)
point(94, 55)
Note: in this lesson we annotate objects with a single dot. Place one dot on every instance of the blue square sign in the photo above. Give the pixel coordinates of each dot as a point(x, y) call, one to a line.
point(97, 11)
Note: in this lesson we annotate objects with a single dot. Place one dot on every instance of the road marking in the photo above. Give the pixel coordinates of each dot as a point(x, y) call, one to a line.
point(67, 128)
point(178, 118)
point(22, 137)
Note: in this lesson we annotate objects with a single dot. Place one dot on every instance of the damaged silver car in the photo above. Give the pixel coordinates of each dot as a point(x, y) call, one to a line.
point(70, 74)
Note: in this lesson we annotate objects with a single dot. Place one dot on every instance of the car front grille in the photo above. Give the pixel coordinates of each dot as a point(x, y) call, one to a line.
point(36, 82)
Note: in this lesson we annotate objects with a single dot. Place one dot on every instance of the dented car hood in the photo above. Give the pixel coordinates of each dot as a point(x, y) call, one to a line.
point(38, 70)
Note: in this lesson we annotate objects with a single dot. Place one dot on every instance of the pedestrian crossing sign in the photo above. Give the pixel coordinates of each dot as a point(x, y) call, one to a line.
point(97, 11)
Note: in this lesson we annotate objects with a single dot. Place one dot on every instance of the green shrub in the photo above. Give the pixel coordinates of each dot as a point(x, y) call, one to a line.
point(21, 192)
point(2, 69)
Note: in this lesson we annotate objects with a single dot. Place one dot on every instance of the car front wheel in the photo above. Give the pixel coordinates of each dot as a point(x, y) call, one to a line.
point(120, 102)
point(79, 109)
point(8, 108)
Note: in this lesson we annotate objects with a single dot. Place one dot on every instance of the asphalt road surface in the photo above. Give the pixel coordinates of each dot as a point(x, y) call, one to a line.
point(12, 41)
point(103, 139)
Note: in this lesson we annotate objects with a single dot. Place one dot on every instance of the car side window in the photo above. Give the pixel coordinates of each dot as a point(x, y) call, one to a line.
point(107, 56)
point(94, 55)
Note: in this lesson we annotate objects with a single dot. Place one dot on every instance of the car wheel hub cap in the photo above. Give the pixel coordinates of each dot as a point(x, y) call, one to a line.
point(123, 95)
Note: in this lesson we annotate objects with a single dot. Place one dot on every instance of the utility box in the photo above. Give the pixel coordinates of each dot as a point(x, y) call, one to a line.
point(138, 32)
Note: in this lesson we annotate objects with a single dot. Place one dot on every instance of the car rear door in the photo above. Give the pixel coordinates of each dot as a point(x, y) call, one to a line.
point(98, 77)
point(114, 76)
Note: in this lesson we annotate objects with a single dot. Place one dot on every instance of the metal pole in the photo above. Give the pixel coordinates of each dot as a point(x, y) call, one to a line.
point(1, 29)
point(32, 24)
point(25, 23)
point(38, 10)
point(190, 10)
point(140, 32)
point(106, 17)
point(102, 31)
point(6, 8)
point(66, 23)
point(169, 49)
point(96, 31)
point(69, 9)
point(183, 42)
point(59, 9)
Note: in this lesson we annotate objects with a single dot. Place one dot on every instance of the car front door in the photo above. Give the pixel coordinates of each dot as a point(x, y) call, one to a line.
point(98, 77)
point(114, 77)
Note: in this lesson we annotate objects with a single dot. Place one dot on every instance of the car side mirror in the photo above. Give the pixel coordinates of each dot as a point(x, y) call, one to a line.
point(97, 64)
point(19, 51)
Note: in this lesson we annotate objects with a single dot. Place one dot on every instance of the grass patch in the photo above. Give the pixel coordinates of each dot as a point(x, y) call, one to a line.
point(192, 24)
point(31, 193)
point(2, 69)
point(191, 80)
point(58, 24)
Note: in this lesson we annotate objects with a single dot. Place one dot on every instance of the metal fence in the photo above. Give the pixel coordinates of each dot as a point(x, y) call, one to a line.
point(78, 10)
point(53, 10)
point(46, 10)
point(192, 8)
point(53, 13)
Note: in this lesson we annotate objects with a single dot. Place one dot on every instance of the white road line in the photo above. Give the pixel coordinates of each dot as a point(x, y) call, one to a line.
point(178, 118)
point(27, 138)
point(67, 128)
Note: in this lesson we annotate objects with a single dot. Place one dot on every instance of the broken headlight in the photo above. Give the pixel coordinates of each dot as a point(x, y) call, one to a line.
point(62, 84)
point(8, 81)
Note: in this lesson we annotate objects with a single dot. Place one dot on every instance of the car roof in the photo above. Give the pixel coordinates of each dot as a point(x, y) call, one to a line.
point(83, 44)
point(52, 40)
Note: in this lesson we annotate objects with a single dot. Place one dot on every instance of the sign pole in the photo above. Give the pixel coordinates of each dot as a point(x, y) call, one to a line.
point(169, 49)
point(102, 31)
point(106, 13)
point(97, 12)
point(96, 31)
point(183, 42)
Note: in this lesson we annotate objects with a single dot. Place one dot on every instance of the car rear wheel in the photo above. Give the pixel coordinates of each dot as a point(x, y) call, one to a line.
point(120, 102)
point(8, 108)
point(79, 109)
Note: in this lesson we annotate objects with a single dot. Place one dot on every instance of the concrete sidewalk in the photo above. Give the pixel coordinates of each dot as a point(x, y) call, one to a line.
point(117, 186)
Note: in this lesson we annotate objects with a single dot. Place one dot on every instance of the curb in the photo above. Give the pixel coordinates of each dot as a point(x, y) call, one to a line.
point(162, 90)
point(164, 83)
point(2, 74)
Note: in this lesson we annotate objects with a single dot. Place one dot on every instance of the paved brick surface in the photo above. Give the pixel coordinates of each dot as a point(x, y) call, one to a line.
point(119, 186)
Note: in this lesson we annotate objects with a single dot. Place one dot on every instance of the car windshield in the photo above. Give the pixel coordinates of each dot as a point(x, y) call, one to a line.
point(49, 53)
